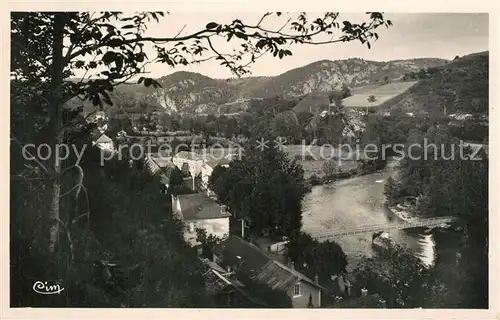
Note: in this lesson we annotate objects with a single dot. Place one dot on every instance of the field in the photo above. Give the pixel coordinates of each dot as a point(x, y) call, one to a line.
point(382, 93)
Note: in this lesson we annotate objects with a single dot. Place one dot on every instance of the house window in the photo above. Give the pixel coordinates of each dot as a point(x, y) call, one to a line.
point(296, 289)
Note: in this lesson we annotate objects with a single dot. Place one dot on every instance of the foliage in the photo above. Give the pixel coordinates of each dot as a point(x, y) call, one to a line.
point(207, 242)
point(461, 86)
point(397, 275)
point(316, 258)
point(127, 216)
point(329, 167)
point(457, 187)
point(266, 189)
point(132, 228)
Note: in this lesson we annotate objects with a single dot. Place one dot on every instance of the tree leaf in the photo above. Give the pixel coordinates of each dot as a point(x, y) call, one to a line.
point(212, 25)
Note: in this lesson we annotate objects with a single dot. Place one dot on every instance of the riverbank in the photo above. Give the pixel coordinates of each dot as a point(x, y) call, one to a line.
point(315, 180)
point(401, 212)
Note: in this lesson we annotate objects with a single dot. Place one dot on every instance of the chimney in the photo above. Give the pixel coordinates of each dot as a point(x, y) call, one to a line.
point(364, 292)
point(316, 279)
point(228, 268)
point(292, 265)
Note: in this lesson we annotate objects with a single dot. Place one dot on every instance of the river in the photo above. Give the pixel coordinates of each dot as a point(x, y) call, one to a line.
point(357, 202)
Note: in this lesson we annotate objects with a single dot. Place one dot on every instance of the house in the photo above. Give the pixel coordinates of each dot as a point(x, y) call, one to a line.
point(122, 133)
point(189, 162)
point(104, 143)
point(197, 165)
point(158, 164)
point(256, 264)
point(223, 285)
point(208, 167)
point(198, 211)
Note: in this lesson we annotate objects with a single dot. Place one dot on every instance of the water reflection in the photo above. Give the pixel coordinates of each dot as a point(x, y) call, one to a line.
point(358, 202)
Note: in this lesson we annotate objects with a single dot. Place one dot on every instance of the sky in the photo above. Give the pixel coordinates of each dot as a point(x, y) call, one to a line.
point(413, 35)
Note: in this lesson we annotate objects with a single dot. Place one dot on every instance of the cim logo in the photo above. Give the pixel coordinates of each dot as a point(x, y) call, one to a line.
point(45, 288)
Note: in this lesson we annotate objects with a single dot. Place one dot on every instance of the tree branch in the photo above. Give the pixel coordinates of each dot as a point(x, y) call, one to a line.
point(196, 35)
point(43, 63)
point(41, 165)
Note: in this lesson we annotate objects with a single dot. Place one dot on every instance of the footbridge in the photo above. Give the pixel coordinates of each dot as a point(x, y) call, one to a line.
point(408, 224)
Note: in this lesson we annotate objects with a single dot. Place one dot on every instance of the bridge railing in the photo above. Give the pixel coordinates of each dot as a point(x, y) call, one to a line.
point(384, 227)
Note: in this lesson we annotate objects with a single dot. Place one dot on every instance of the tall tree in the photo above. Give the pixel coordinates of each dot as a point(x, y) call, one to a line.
point(265, 188)
point(110, 48)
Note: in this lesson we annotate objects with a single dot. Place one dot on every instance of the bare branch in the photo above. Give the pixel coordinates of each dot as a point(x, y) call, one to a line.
point(284, 25)
point(70, 190)
point(180, 31)
point(34, 159)
point(263, 17)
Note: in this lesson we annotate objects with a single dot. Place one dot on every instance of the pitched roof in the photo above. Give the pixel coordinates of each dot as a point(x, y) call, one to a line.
point(198, 206)
point(256, 263)
point(157, 164)
point(103, 139)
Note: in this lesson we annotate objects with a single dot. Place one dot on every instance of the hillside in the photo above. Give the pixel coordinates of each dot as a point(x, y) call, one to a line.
point(382, 94)
point(188, 92)
point(460, 86)
point(327, 75)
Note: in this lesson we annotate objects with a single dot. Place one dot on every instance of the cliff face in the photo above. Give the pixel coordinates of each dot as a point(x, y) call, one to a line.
point(188, 93)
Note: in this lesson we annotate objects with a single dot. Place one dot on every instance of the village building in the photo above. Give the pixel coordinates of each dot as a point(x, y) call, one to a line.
point(198, 211)
point(224, 287)
point(190, 163)
point(104, 143)
point(161, 165)
point(256, 264)
point(196, 165)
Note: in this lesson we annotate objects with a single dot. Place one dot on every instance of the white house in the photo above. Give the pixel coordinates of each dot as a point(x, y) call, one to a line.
point(104, 143)
point(198, 211)
point(208, 167)
point(189, 162)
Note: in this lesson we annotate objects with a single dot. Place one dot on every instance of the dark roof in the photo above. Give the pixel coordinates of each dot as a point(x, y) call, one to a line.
point(257, 264)
point(239, 252)
point(277, 277)
point(198, 206)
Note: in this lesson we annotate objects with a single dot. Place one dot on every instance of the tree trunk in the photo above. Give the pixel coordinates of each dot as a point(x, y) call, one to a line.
point(56, 122)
